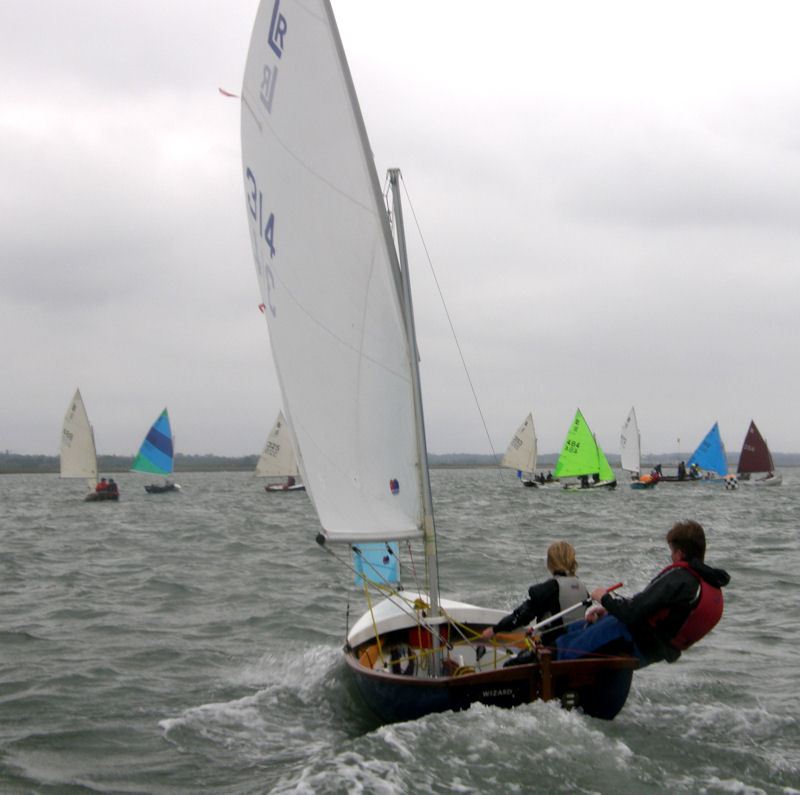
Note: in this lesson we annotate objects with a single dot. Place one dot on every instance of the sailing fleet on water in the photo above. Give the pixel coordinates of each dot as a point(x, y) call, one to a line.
point(581, 458)
point(331, 262)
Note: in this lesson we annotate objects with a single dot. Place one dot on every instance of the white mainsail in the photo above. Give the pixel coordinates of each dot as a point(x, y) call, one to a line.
point(329, 277)
point(77, 454)
point(630, 445)
point(521, 452)
point(277, 459)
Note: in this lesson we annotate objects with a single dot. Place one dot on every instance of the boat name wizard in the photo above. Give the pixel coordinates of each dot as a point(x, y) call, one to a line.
point(497, 691)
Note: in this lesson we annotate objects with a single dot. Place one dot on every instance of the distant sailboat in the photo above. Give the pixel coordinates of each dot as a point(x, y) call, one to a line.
point(709, 458)
point(521, 453)
point(630, 452)
point(156, 455)
point(78, 457)
point(583, 458)
point(756, 458)
point(278, 460)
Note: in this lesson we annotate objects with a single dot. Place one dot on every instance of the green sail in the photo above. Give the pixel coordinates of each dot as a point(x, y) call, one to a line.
point(581, 455)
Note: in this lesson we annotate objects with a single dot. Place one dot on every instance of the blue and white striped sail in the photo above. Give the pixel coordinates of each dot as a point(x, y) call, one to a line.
point(156, 453)
point(710, 454)
point(330, 280)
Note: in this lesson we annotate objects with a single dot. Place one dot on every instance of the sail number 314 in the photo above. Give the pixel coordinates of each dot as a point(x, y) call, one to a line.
point(255, 203)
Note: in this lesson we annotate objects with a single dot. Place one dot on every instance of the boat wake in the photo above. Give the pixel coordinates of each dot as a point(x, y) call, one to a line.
point(473, 750)
point(309, 684)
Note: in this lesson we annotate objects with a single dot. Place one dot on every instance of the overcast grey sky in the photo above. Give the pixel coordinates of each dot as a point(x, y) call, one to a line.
point(609, 193)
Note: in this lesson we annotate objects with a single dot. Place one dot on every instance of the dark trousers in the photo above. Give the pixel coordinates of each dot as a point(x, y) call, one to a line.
point(607, 635)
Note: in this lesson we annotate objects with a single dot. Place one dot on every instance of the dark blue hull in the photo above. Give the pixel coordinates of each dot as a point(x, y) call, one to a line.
point(599, 687)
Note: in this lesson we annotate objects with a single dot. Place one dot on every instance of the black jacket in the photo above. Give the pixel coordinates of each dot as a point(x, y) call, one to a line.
point(675, 591)
point(542, 600)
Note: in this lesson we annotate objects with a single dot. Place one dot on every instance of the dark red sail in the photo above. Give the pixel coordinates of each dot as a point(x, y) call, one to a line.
point(755, 455)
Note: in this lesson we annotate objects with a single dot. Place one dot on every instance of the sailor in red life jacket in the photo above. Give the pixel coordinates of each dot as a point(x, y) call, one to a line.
point(679, 606)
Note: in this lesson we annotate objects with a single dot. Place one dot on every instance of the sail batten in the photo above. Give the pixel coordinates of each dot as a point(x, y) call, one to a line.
point(329, 277)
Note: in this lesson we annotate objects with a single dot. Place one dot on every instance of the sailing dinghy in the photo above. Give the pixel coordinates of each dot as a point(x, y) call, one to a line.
point(583, 458)
point(756, 459)
point(78, 457)
point(156, 455)
point(337, 299)
point(278, 460)
point(630, 452)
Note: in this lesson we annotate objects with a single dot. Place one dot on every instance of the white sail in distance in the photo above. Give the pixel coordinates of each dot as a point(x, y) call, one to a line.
point(521, 452)
point(277, 458)
point(78, 457)
point(630, 446)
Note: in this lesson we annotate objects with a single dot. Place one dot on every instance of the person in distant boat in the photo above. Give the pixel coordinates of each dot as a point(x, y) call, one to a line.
point(596, 477)
point(654, 476)
point(112, 486)
point(584, 481)
point(549, 477)
point(290, 481)
point(682, 470)
point(102, 485)
point(561, 591)
point(694, 472)
point(679, 607)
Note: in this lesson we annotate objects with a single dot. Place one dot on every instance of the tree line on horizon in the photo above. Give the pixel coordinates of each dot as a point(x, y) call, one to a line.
point(18, 463)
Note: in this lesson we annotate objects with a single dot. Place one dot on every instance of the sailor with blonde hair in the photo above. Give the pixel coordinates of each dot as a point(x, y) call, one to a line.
point(561, 557)
point(562, 591)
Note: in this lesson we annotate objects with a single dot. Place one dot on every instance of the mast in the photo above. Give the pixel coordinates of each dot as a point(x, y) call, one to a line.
point(428, 528)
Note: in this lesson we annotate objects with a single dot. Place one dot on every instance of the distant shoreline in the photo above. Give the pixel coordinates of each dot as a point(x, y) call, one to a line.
point(19, 464)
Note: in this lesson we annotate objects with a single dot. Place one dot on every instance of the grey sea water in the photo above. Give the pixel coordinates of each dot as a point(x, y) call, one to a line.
point(191, 642)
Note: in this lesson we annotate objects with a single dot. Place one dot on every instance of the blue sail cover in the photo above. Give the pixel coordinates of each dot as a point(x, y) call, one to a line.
point(376, 563)
point(155, 454)
point(710, 455)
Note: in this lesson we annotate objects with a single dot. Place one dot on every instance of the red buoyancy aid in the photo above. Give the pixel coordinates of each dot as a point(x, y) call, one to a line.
point(704, 616)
